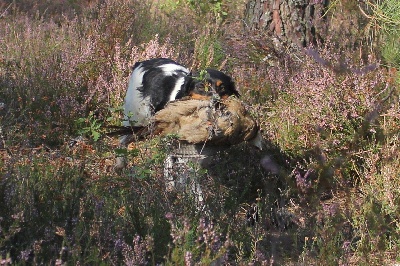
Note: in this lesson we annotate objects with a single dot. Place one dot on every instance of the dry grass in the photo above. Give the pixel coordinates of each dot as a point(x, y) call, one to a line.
point(331, 125)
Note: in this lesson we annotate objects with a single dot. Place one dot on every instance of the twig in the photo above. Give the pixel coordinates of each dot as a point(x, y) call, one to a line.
point(2, 142)
point(4, 12)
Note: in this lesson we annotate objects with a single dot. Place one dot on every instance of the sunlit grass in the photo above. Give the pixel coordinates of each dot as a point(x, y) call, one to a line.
point(332, 134)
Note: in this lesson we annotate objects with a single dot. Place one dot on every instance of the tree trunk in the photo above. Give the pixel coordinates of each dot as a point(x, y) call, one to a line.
point(300, 22)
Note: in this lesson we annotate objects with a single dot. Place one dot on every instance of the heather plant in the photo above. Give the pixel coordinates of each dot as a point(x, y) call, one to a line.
point(376, 219)
point(206, 31)
point(202, 244)
point(53, 74)
point(334, 112)
point(77, 210)
point(216, 8)
point(323, 192)
point(208, 51)
point(327, 109)
point(215, 11)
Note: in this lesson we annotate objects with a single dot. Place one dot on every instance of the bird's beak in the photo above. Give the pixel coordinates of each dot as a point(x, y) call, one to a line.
point(257, 141)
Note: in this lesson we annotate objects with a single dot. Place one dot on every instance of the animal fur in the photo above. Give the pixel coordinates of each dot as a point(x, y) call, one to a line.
point(226, 122)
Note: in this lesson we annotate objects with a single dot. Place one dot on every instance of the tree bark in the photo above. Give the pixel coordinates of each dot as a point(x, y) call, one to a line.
point(300, 22)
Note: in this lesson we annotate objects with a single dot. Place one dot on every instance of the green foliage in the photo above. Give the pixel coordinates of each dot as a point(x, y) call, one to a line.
point(208, 51)
point(216, 7)
point(64, 204)
point(385, 16)
point(89, 126)
point(204, 9)
point(391, 49)
point(60, 205)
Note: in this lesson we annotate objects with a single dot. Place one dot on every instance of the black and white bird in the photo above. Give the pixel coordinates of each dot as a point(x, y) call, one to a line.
point(154, 83)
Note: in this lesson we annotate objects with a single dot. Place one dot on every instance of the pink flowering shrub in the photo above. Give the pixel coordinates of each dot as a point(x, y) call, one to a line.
point(59, 72)
point(324, 191)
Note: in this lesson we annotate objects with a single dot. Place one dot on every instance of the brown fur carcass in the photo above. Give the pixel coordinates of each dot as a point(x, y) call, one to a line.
point(222, 123)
